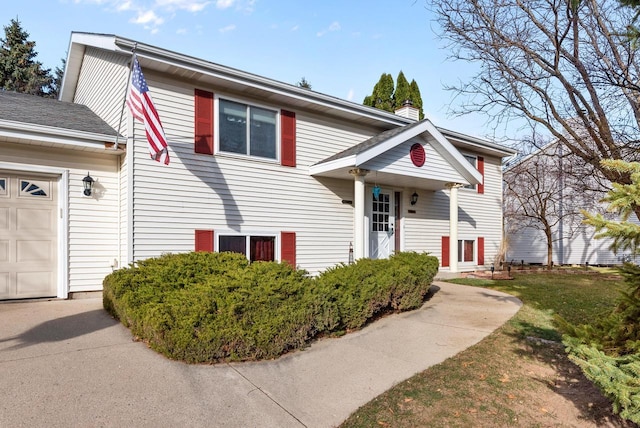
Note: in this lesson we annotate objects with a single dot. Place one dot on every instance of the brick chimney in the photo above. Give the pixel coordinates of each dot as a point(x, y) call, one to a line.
point(408, 110)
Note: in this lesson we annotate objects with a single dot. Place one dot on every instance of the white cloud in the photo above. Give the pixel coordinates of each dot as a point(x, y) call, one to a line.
point(295, 28)
point(124, 6)
point(188, 5)
point(152, 14)
point(181, 31)
point(350, 95)
point(227, 28)
point(224, 4)
point(147, 17)
point(335, 26)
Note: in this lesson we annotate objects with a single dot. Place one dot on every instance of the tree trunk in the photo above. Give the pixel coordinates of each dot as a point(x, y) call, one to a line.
point(547, 232)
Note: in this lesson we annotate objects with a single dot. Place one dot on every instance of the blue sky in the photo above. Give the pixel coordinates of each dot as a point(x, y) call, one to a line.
point(341, 47)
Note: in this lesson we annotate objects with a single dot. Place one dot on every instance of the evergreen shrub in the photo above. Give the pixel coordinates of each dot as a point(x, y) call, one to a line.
point(211, 307)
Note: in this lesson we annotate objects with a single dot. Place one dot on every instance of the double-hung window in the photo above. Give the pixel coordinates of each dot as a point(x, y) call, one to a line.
point(255, 247)
point(247, 130)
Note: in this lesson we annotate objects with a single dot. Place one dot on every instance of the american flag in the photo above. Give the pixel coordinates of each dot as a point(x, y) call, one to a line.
point(142, 108)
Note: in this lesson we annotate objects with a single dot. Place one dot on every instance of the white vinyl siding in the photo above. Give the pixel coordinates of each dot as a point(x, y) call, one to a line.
point(93, 223)
point(398, 161)
point(479, 215)
point(529, 245)
point(225, 192)
point(102, 84)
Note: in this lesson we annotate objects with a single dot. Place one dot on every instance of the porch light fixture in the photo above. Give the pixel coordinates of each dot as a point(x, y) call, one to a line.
point(414, 198)
point(87, 184)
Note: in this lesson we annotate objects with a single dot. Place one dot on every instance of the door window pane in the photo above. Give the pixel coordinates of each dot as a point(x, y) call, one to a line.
point(380, 213)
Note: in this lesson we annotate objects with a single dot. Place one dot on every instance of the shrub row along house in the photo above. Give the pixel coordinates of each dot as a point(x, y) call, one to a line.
point(256, 166)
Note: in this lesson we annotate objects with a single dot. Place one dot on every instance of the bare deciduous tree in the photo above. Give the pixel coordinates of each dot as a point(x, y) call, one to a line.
point(546, 191)
point(567, 66)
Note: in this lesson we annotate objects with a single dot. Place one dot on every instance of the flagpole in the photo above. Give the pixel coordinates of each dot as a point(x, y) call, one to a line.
point(124, 101)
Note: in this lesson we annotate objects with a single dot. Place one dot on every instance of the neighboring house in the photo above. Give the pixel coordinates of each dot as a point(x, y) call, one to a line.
point(261, 167)
point(554, 182)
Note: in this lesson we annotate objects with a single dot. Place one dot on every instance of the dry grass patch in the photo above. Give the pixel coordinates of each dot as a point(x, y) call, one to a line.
point(518, 376)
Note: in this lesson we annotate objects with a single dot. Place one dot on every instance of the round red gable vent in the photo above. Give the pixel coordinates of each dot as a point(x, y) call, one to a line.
point(417, 154)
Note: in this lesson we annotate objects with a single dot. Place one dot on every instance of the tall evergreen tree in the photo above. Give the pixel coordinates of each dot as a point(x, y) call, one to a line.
point(402, 92)
point(303, 83)
point(56, 81)
point(416, 98)
point(608, 349)
point(18, 69)
point(389, 98)
point(382, 96)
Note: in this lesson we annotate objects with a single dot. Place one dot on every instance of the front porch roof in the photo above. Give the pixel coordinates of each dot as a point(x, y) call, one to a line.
point(362, 155)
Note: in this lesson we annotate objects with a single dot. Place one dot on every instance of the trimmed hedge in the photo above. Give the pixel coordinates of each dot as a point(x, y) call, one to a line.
point(210, 307)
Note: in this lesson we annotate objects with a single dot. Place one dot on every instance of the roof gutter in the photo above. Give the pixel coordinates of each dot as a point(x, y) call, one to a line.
point(49, 134)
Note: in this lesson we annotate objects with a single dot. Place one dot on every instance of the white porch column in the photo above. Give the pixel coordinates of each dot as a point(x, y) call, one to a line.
point(358, 214)
point(453, 225)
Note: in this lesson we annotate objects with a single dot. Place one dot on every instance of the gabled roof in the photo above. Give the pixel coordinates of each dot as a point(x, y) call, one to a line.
point(362, 153)
point(185, 67)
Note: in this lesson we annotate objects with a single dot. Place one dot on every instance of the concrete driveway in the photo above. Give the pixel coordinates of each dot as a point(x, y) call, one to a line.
point(69, 364)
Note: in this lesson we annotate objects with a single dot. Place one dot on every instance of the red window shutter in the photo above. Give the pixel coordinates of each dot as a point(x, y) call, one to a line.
point(288, 248)
point(203, 122)
point(481, 171)
point(445, 251)
point(480, 251)
point(287, 138)
point(204, 240)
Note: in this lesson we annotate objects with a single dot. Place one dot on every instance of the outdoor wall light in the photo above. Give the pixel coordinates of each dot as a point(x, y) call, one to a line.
point(414, 198)
point(87, 184)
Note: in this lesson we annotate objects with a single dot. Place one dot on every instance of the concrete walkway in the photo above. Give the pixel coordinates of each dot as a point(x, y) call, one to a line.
point(68, 364)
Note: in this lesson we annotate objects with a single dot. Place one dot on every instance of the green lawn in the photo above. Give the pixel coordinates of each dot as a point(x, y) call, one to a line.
point(509, 379)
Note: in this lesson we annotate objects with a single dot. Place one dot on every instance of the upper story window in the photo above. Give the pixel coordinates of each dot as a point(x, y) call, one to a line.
point(247, 130)
point(472, 160)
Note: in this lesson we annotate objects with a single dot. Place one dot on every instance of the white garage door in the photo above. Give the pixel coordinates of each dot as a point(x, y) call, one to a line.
point(28, 236)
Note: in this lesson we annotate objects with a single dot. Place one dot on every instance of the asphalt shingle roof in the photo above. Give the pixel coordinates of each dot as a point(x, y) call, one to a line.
point(36, 110)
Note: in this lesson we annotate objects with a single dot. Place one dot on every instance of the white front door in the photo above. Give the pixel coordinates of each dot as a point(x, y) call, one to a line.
point(28, 236)
point(382, 225)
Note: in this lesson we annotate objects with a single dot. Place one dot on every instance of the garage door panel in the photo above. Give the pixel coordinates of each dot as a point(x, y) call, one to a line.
point(4, 218)
point(4, 251)
point(4, 285)
point(34, 189)
point(34, 284)
point(34, 219)
point(34, 251)
point(4, 187)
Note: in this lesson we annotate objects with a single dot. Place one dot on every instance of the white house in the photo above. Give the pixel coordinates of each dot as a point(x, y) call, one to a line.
point(258, 166)
point(552, 181)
